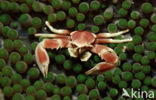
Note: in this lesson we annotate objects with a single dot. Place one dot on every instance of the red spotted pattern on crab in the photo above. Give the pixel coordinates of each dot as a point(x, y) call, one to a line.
point(79, 42)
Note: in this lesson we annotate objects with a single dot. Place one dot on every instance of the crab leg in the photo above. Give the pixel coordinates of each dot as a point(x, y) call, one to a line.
point(41, 55)
point(107, 54)
point(52, 36)
point(113, 40)
point(58, 31)
point(103, 35)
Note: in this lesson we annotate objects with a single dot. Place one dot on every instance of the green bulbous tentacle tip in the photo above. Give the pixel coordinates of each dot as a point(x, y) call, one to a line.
point(7, 71)
point(36, 22)
point(60, 59)
point(21, 67)
point(123, 12)
point(4, 53)
point(123, 23)
point(84, 7)
point(52, 18)
point(151, 46)
point(31, 90)
point(139, 49)
point(126, 66)
point(146, 7)
point(137, 57)
point(95, 5)
point(72, 11)
point(8, 91)
point(81, 88)
point(127, 4)
point(24, 8)
point(136, 83)
point(139, 75)
point(94, 94)
point(17, 96)
point(60, 15)
point(81, 78)
point(13, 6)
point(144, 22)
point(98, 19)
point(116, 79)
point(29, 98)
point(66, 5)
point(33, 73)
point(154, 27)
point(80, 17)
point(12, 34)
point(81, 26)
point(101, 85)
point(8, 44)
point(71, 81)
point(5, 19)
point(2, 63)
point(57, 4)
point(41, 94)
point(112, 28)
point(60, 78)
point(32, 30)
point(95, 29)
point(123, 56)
point(113, 92)
point(25, 19)
point(90, 83)
point(25, 83)
point(16, 78)
point(30, 2)
point(14, 57)
point(70, 23)
point(135, 15)
point(56, 97)
point(153, 18)
point(38, 6)
point(100, 78)
point(122, 84)
point(66, 91)
point(4, 5)
point(108, 13)
point(28, 58)
point(83, 97)
point(77, 68)
point(48, 9)
point(17, 88)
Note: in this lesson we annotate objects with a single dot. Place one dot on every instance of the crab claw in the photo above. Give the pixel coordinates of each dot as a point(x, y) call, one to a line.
point(107, 54)
point(41, 55)
point(42, 59)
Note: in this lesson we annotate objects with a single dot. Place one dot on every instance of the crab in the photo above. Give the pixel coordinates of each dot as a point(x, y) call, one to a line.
point(79, 42)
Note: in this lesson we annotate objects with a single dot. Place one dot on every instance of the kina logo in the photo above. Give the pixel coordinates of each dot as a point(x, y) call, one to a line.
point(137, 94)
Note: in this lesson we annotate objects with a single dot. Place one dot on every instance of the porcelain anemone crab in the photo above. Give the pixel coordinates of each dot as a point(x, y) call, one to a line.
point(79, 42)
